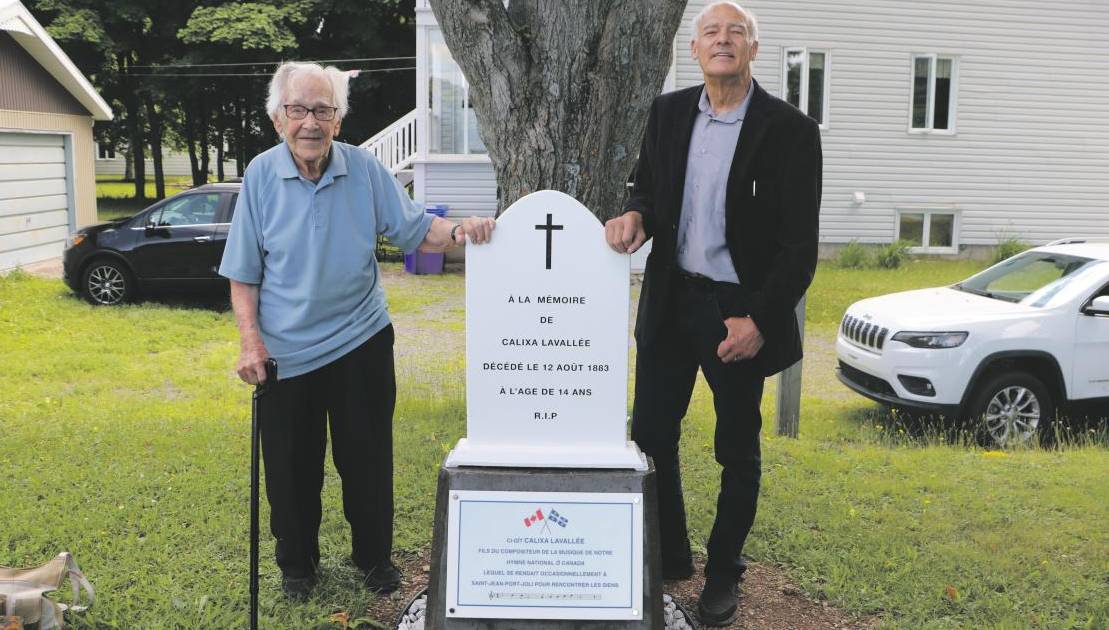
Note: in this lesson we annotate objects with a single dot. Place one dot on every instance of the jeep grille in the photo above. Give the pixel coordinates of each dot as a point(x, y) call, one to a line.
point(863, 333)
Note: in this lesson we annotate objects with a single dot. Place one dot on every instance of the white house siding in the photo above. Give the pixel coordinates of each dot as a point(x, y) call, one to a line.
point(468, 188)
point(173, 164)
point(1030, 156)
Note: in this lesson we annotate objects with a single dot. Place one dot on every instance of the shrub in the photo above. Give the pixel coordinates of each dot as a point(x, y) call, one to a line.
point(1008, 248)
point(853, 256)
point(891, 256)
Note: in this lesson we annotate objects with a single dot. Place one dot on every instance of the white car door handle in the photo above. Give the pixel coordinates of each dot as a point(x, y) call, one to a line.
point(202, 239)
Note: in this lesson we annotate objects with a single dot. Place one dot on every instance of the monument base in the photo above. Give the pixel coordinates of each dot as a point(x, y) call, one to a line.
point(454, 481)
point(469, 453)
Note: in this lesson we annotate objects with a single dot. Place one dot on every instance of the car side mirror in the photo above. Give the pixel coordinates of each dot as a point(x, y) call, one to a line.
point(156, 230)
point(1100, 306)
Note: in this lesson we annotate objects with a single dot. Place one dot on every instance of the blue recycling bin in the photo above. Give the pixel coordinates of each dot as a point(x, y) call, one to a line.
point(421, 262)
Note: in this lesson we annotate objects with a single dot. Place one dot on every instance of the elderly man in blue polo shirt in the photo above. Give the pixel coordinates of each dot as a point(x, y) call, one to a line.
point(306, 290)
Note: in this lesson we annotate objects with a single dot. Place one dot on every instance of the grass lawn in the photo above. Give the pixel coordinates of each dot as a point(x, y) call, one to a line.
point(124, 438)
point(115, 197)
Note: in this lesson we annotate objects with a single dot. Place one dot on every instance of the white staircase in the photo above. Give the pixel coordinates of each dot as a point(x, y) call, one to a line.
point(395, 147)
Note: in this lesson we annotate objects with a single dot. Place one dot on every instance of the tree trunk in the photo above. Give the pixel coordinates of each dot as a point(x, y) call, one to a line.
point(561, 89)
point(205, 156)
point(188, 111)
point(240, 140)
point(135, 127)
point(203, 115)
point(155, 123)
point(219, 147)
point(128, 172)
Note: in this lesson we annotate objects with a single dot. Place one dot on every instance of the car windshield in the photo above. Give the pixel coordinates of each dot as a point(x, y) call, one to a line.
point(1032, 278)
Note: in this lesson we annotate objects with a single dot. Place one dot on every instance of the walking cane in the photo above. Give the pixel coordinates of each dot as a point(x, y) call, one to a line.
point(255, 435)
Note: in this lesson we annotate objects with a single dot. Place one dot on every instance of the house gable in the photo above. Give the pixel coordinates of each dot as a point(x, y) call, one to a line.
point(28, 87)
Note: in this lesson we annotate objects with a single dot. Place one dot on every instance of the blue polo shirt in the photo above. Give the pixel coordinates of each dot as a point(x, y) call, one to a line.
point(310, 245)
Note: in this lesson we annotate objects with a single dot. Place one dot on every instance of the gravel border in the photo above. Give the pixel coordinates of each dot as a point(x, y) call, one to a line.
point(412, 616)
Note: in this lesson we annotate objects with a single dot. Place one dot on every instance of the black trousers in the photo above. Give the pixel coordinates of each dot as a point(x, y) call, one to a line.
point(355, 394)
point(665, 374)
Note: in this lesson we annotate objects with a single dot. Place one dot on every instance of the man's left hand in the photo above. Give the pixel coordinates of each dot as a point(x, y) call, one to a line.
point(477, 230)
point(743, 341)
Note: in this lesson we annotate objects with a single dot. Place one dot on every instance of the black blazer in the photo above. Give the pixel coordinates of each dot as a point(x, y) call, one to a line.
point(771, 226)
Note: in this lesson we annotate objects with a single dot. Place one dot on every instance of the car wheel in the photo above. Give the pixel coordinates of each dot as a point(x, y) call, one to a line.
point(1012, 408)
point(107, 282)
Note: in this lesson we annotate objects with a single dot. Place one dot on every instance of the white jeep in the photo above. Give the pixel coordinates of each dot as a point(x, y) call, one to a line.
point(1008, 346)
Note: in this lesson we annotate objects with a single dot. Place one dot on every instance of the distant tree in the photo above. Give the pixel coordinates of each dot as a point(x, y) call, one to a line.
point(139, 55)
point(244, 32)
point(104, 38)
point(357, 29)
point(561, 89)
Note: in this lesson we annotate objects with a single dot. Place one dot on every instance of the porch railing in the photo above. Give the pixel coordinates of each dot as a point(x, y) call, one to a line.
point(395, 145)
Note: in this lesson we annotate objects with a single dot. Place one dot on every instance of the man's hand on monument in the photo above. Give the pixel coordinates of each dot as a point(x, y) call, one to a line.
point(625, 233)
point(743, 341)
point(477, 230)
point(252, 362)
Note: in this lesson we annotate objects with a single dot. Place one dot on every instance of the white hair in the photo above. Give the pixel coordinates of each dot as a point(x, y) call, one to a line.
point(750, 20)
point(283, 77)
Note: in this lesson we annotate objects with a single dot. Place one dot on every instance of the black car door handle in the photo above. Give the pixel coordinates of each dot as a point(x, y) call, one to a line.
point(202, 239)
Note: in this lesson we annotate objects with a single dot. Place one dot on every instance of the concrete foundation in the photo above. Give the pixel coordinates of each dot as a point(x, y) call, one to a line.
point(546, 480)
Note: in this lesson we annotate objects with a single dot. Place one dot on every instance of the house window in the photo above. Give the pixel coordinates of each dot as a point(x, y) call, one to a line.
point(928, 231)
point(105, 152)
point(805, 78)
point(933, 93)
point(454, 127)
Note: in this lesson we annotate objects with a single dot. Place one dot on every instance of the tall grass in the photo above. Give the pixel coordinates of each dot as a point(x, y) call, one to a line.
point(854, 256)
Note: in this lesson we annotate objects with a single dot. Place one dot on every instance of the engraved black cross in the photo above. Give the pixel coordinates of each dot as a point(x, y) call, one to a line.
point(549, 227)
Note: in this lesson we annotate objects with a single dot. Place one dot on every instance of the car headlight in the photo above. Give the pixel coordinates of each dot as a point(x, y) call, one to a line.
point(74, 240)
point(931, 339)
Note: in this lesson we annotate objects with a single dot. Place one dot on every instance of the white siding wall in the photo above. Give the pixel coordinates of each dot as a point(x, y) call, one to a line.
point(173, 164)
point(1030, 156)
point(468, 188)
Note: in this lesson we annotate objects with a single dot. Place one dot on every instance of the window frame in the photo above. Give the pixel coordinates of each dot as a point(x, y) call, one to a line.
point(930, 104)
point(804, 96)
point(926, 229)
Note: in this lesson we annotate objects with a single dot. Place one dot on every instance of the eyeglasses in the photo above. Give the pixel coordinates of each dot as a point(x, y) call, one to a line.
point(319, 112)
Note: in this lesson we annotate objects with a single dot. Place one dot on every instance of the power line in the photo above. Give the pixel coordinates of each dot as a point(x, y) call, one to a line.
point(256, 74)
point(265, 63)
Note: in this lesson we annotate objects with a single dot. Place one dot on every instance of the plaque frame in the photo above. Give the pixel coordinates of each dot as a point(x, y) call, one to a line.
point(617, 502)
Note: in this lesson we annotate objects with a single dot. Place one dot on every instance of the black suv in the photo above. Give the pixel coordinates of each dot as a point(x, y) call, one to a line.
point(176, 243)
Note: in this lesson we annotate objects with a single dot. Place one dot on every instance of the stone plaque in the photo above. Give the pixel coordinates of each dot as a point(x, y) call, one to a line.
point(547, 308)
point(545, 555)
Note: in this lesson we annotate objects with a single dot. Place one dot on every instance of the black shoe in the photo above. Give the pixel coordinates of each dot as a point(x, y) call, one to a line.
point(297, 588)
point(719, 603)
point(382, 579)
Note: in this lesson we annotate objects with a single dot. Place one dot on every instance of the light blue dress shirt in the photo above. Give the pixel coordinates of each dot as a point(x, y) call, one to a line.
point(310, 245)
point(702, 248)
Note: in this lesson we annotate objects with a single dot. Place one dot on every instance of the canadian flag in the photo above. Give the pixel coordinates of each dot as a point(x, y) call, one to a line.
point(532, 518)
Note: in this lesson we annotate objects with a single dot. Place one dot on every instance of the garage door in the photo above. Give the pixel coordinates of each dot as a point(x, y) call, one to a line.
point(34, 203)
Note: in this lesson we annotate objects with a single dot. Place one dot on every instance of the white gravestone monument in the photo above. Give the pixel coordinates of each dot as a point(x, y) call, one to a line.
point(544, 498)
point(547, 307)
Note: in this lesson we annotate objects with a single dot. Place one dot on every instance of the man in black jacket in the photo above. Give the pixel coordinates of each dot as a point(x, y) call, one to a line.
point(728, 185)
